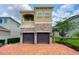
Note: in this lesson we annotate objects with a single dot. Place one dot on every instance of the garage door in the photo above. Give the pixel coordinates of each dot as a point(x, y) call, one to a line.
point(42, 38)
point(28, 38)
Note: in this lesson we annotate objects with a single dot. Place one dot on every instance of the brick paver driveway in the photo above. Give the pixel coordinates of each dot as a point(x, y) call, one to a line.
point(37, 49)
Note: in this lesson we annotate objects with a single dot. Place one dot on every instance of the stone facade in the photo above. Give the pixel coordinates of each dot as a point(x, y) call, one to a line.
point(32, 23)
point(43, 27)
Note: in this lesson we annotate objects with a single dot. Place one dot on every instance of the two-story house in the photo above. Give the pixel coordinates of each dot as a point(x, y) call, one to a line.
point(36, 26)
point(9, 28)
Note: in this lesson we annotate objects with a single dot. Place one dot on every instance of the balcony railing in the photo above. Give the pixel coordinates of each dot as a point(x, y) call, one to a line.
point(26, 24)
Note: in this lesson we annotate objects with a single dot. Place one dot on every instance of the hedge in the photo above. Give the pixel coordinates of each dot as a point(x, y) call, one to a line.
point(13, 40)
point(2, 42)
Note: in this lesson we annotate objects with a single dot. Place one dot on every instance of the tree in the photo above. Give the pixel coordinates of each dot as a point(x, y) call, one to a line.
point(54, 29)
point(63, 27)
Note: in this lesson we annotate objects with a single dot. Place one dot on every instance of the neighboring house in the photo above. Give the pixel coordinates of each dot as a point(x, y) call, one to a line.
point(11, 28)
point(75, 21)
point(36, 26)
point(4, 33)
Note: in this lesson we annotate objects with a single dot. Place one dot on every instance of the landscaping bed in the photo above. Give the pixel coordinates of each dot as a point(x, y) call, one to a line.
point(2, 42)
point(9, 41)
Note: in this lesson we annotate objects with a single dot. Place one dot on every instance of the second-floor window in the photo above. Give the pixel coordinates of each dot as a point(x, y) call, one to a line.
point(47, 13)
point(1, 20)
point(39, 14)
point(5, 20)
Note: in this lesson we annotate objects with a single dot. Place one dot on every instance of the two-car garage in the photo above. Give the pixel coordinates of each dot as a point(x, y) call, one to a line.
point(42, 38)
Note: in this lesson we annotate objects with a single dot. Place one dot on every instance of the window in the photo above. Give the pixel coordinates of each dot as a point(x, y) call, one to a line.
point(39, 13)
point(5, 20)
point(47, 13)
point(0, 20)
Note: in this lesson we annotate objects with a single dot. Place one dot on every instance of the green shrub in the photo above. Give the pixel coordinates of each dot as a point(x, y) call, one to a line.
point(76, 34)
point(13, 40)
point(2, 42)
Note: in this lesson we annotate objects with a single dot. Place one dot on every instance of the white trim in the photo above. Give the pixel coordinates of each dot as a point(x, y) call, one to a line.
point(43, 31)
point(27, 31)
point(6, 41)
point(43, 22)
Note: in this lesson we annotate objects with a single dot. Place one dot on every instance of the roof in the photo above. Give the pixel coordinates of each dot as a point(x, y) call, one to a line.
point(23, 11)
point(43, 7)
point(11, 19)
point(27, 12)
point(73, 17)
point(3, 29)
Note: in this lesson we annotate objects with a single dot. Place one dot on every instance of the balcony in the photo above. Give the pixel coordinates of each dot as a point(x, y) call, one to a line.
point(27, 24)
point(27, 21)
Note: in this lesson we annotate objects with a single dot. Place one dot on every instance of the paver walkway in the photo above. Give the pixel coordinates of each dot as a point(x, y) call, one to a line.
point(37, 49)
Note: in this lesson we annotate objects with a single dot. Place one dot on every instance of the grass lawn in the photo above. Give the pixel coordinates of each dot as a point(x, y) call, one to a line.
point(74, 42)
point(71, 41)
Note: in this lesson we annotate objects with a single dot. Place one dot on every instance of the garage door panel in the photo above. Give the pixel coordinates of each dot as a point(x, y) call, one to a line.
point(28, 38)
point(43, 38)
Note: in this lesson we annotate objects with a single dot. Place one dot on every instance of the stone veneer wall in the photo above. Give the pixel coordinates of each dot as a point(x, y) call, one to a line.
point(43, 27)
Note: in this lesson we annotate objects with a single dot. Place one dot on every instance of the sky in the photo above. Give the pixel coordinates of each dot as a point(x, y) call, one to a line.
point(59, 11)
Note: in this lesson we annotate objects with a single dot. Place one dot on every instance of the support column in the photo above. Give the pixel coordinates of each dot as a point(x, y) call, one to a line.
point(50, 39)
point(6, 40)
point(35, 38)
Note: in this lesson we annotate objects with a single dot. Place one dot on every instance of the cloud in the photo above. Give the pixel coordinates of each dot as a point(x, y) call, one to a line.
point(62, 12)
point(75, 12)
point(20, 6)
point(13, 10)
point(66, 6)
point(10, 8)
point(26, 7)
point(4, 14)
